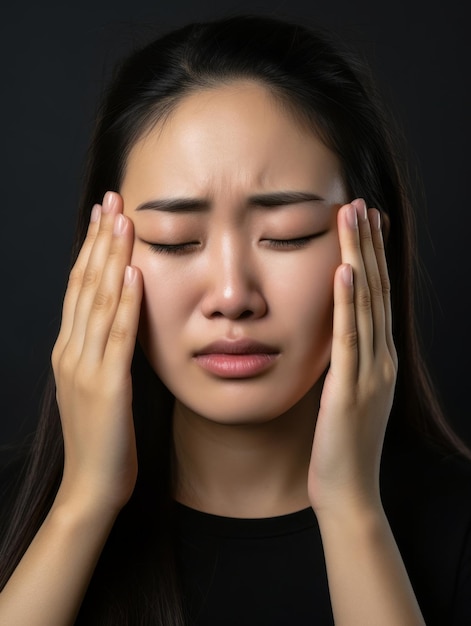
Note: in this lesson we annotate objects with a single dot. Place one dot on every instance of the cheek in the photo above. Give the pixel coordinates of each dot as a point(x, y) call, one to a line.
point(308, 281)
point(309, 302)
point(159, 288)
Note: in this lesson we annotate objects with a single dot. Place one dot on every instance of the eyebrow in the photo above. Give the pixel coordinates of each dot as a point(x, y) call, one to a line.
point(191, 205)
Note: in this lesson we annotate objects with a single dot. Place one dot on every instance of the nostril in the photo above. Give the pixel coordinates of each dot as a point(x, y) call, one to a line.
point(236, 302)
point(244, 315)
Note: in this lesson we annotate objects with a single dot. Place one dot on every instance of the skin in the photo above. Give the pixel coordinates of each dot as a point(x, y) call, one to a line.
point(226, 145)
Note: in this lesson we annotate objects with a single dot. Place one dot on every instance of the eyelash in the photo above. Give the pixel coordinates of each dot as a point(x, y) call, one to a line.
point(172, 248)
point(182, 248)
point(293, 244)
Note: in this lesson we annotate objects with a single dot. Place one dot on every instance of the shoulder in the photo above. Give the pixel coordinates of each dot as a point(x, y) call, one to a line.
point(427, 498)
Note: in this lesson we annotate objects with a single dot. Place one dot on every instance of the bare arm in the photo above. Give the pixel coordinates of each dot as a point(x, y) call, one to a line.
point(48, 586)
point(91, 361)
point(368, 582)
point(367, 579)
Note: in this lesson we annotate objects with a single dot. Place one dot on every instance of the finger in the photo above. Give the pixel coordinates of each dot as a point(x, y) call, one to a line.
point(92, 274)
point(351, 251)
point(372, 274)
point(123, 333)
point(108, 294)
point(76, 276)
point(378, 243)
point(344, 357)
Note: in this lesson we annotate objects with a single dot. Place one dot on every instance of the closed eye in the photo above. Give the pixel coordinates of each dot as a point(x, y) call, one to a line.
point(190, 246)
point(173, 248)
point(293, 244)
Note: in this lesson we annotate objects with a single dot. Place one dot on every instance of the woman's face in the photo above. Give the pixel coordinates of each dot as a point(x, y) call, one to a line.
point(234, 206)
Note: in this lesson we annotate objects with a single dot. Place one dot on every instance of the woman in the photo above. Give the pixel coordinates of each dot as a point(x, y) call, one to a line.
point(225, 468)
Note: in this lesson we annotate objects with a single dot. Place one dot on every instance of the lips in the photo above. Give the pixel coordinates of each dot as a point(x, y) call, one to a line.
point(241, 346)
point(243, 358)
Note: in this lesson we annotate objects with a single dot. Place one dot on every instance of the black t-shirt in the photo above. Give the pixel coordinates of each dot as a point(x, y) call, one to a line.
point(252, 571)
point(270, 572)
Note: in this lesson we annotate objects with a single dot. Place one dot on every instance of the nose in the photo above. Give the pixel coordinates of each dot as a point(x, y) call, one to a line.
point(233, 288)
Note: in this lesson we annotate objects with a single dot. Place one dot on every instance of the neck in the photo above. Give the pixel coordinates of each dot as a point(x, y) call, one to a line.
point(245, 470)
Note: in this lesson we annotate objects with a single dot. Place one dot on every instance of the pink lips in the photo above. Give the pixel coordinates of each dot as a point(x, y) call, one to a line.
point(236, 359)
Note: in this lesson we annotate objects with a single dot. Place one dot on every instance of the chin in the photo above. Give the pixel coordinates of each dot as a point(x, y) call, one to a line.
point(247, 406)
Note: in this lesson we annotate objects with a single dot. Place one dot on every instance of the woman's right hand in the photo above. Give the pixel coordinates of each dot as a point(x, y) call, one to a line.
point(92, 363)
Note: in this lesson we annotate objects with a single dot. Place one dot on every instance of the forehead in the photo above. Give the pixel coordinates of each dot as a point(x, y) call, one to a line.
point(230, 138)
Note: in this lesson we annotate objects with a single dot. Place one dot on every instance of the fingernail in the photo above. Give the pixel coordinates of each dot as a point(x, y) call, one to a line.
point(107, 201)
point(352, 217)
point(119, 224)
point(375, 219)
point(347, 275)
point(360, 206)
point(95, 214)
point(129, 274)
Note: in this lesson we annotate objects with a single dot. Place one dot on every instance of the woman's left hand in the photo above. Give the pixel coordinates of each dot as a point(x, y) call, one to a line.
point(359, 387)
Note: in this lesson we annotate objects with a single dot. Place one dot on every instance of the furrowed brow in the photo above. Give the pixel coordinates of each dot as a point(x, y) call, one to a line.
point(282, 198)
point(175, 205)
point(191, 205)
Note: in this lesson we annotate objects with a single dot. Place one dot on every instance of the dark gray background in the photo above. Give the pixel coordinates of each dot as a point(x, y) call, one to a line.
point(53, 64)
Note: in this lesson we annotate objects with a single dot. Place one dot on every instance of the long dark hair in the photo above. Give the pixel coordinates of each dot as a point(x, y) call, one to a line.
point(314, 78)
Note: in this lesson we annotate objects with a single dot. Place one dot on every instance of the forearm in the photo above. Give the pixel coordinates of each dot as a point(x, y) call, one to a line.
point(368, 582)
point(92, 370)
point(48, 586)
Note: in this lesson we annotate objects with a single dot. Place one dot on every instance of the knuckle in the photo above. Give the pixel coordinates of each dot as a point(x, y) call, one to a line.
point(364, 299)
point(102, 301)
point(65, 365)
point(90, 277)
point(385, 374)
point(75, 277)
point(386, 285)
point(376, 288)
point(349, 339)
point(55, 355)
point(395, 359)
point(389, 371)
point(116, 247)
point(119, 334)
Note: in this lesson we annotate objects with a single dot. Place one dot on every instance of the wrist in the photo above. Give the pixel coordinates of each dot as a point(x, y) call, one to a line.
point(352, 512)
point(84, 506)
